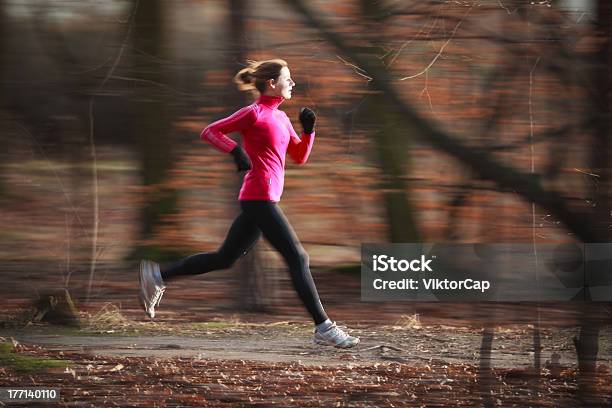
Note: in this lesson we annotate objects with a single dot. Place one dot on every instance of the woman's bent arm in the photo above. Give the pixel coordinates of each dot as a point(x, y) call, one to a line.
point(216, 132)
point(299, 149)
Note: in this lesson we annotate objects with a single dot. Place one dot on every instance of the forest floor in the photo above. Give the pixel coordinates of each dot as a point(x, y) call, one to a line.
point(201, 350)
point(115, 361)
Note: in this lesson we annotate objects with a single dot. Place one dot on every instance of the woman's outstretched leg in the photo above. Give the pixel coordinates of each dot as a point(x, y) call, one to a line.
point(242, 236)
point(277, 230)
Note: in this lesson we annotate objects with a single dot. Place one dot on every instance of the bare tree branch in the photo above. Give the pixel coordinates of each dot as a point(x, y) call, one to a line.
point(526, 185)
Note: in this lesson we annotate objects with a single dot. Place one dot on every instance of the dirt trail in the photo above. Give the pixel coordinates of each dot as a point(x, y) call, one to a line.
point(511, 348)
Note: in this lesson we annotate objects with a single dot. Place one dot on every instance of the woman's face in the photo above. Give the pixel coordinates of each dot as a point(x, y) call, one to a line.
point(282, 85)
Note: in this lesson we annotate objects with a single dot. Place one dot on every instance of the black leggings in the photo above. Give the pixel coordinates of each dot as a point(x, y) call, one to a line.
point(258, 217)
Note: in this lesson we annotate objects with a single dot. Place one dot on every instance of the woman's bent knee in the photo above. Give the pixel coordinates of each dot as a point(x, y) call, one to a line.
point(226, 261)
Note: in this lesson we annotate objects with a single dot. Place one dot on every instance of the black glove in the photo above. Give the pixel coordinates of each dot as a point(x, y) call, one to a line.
point(243, 163)
point(308, 119)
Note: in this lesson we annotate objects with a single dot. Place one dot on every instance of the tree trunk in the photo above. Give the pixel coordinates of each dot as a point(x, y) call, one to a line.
point(587, 345)
point(391, 141)
point(485, 373)
point(151, 124)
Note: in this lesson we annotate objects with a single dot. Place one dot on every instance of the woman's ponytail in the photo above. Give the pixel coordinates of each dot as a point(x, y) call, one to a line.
point(257, 73)
point(245, 78)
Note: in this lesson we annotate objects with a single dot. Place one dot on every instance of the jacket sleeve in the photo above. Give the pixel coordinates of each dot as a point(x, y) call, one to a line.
point(299, 149)
point(216, 132)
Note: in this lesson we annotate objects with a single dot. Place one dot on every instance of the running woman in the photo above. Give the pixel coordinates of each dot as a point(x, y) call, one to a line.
point(268, 136)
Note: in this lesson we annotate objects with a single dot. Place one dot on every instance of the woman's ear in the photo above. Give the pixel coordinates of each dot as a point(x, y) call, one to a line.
point(272, 83)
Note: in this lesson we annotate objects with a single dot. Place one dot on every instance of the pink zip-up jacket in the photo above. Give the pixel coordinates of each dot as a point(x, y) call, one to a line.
point(268, 136)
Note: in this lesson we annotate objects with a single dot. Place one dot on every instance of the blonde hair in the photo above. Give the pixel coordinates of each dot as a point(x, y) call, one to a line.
point(257, 73)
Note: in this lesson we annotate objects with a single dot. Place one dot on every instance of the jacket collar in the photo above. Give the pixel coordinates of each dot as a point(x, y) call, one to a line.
point(270, 101)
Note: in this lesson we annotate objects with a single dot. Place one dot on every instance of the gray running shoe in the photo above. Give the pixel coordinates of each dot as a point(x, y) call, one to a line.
point(335, 336)
point(151, 286)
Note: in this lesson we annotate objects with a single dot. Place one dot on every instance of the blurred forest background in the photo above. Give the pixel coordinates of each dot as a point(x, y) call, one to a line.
point(473, 121)
point(439, 121)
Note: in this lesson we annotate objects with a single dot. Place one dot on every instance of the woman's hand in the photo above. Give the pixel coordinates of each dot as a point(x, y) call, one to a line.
point(308, 119)
point(243, 163)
